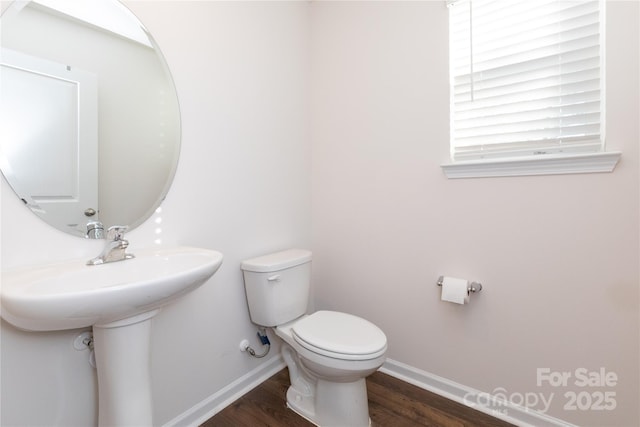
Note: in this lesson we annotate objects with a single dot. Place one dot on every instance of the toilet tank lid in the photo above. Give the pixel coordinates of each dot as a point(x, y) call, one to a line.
point(277, 261)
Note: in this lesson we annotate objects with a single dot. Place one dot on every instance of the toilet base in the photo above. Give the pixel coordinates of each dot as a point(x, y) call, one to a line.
point(332, 404)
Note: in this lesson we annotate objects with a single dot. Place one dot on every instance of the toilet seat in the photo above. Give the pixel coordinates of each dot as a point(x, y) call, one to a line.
point(340, 336)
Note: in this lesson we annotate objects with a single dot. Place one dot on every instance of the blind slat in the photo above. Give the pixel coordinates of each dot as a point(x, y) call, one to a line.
point(538, 70)
point(509, 116)
point(552, 135)
point(591, 86)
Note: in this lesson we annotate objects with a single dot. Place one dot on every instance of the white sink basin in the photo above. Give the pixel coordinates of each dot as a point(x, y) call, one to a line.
point(118, 300)
point(74, 295)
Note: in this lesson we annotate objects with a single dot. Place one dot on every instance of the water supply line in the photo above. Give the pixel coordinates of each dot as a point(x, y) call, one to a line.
point(244, 345)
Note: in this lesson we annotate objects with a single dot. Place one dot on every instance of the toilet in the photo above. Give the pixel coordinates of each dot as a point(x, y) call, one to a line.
point(328, 353)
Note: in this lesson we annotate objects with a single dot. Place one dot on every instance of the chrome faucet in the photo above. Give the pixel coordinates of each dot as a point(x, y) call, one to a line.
point(115, 249)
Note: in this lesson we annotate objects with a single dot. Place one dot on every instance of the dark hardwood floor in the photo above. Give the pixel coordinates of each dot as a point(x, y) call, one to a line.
point(392, 403)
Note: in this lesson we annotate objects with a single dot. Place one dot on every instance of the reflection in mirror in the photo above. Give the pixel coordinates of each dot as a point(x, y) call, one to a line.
point(89, 118)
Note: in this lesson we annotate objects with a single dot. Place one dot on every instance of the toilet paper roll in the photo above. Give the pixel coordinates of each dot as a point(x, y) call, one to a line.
point(455, 290)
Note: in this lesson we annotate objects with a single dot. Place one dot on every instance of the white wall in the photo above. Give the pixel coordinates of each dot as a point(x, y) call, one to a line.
point(242, 187)
point(557, 255)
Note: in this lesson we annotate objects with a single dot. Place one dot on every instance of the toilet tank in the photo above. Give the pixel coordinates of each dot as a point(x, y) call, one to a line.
point(277, 286)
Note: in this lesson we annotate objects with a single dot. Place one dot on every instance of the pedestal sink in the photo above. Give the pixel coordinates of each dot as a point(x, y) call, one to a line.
point(118, 300)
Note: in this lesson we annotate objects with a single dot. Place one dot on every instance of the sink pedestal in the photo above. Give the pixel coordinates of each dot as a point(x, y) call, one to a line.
point(122, 351)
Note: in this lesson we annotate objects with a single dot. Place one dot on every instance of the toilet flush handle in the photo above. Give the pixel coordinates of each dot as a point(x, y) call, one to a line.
point(274, 278)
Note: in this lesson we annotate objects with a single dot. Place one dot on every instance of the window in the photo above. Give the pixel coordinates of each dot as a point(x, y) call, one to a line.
point(527, 86)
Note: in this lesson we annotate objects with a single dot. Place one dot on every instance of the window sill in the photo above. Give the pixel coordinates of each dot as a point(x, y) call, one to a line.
point(556, 164)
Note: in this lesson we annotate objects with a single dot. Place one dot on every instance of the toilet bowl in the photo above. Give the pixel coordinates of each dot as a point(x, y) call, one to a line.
point(328, 353)
point(327, 370)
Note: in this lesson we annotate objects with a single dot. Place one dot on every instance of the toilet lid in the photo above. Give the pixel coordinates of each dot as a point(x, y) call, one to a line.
point(339, 333)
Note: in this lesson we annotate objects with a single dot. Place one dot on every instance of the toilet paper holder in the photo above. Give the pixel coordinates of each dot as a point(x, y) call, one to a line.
point(473, 286)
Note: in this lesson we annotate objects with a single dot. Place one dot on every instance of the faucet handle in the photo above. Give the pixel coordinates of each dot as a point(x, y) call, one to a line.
point(116, 232)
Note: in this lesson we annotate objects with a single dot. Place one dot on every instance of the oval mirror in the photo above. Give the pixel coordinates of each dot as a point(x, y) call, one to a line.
point(89, 116)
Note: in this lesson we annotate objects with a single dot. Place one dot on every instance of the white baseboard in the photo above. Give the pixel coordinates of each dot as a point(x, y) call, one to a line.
point(215, 403)
point(468, 396)
point(501, 409)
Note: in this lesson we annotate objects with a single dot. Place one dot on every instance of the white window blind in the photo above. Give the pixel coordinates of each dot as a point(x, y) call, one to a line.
point(526, 77)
